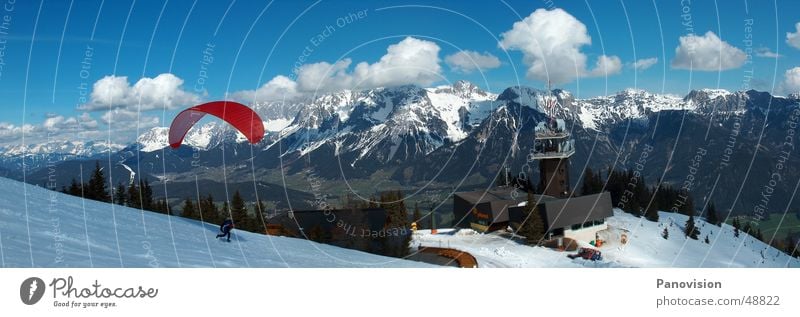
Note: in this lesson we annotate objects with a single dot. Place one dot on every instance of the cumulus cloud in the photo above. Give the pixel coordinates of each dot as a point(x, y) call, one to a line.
point(126, 120)
point(793, 39)
point(12, 133)
point(644, 63)
point(410, 61)
point(54, 127)
point(766, 52)
point(278, 88)
point(469, 61)
point(58, 123)
point(164, 90)
point(551, 42)
point(707, 53)
point(791, 81)
point(606, 65)
point(324, 76)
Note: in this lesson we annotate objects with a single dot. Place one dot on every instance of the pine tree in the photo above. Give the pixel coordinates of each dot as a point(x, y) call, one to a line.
point(225, 212)
point(665, 233)
point(161, 206)
point(791, 245)
point(597, 183)
point(688, 206)
point(588, 178)
point(711, 214)
point(157, 207)
point(736, 226)
point(690, 230)
point(396, 218)
point(239, 213)
point(134, 199)
point(189, 210)
point(393, 203)
point(533, 228)
point(748, 228)
point(706, 240)
point(208, 210)
point(652, 212)
point(146, 194)
point(120, 193)
point(97, 185)
point(75, 189)
point(417, 214)
point(432, 220)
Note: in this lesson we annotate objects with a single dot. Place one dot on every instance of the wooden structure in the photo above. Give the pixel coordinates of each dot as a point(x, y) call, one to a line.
point(464, 259)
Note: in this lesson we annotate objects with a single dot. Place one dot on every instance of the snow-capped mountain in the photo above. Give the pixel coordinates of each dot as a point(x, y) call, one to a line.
point(629, 104)
point(153, 139)
point(202, 137)
point(40, 155)
point(64, 147)
point(386, 124)
point(633, 104)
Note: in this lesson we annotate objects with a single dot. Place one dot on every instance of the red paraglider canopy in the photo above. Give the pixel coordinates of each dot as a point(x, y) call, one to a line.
point(238, 115)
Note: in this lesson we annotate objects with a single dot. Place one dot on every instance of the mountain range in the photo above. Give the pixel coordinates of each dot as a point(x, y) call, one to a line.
point(456, 137)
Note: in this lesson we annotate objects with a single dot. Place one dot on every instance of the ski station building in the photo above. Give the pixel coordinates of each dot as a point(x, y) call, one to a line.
point(563, 214)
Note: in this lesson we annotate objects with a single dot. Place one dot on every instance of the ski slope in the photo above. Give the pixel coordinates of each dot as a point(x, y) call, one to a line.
point(645, 246)
point(43, 228)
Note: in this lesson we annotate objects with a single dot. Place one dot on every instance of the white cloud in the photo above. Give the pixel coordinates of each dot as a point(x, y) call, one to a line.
point(126, 120)
point(551, 42)
point(644, 63)
point(766, 52)
point(469, 61)
point(86, 120)
point(793, 39)
point(606, 65)
point(410, 61)
point(58, 123)
point(54, 128)
point(707, 53)
point(791, 81)
point(323, 76)
point(164, 90)
point(13, 133)
point(279, 88)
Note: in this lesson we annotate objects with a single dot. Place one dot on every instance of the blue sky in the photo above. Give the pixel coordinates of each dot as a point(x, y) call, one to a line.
point(46, 73)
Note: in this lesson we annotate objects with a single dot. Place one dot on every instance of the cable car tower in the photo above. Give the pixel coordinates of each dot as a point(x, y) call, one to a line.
point(552, 147)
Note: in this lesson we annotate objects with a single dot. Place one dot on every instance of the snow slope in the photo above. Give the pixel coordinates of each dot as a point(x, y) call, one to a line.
point(55, 230)
point(645, 247)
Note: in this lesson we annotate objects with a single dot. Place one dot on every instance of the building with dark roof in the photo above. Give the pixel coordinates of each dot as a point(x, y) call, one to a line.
point(488, 210)
point(574, 217)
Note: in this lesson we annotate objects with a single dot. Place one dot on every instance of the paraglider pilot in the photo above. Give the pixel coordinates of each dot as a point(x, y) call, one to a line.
point(226, 228)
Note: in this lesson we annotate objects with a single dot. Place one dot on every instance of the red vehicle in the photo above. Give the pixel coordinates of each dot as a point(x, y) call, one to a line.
point(587, 254)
